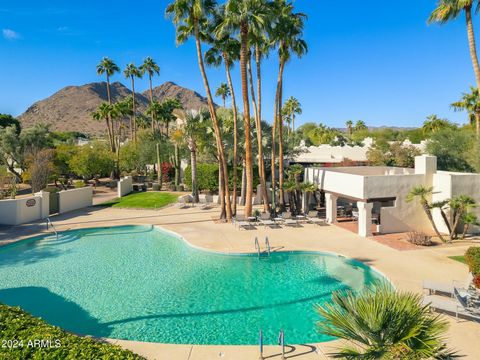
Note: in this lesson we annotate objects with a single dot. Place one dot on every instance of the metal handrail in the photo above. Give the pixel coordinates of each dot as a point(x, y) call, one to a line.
point(49, 222)
point(267, 244)
point(281, 342)
point(261, 344)
point(257, 246)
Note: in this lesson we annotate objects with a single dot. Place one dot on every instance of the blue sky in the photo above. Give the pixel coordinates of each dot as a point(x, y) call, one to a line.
point(377, 60)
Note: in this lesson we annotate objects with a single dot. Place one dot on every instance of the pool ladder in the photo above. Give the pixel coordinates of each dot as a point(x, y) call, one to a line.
point(258, 248)
point(281, 342)
point(49, 223)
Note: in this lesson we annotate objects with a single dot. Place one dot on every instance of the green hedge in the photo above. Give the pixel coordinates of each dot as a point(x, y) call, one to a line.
point(19, 328)
point(207, 177)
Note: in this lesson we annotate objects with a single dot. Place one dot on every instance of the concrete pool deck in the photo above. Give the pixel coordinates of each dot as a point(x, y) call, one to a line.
point(406, 269)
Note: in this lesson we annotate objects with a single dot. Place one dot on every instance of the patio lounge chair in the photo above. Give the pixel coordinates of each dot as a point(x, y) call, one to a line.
point(265, 220)
point(241, 222)
point(287, 219)
point(453, 306)
point(446, 288)
point(314, 219)
point(204, 204)
point(182, 204)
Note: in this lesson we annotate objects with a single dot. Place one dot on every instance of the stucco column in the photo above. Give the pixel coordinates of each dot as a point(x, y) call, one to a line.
point(331, 207)
point(364, 218)
point(44, 203)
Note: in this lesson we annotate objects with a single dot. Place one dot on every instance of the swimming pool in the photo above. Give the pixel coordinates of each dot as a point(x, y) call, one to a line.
point(142, 283)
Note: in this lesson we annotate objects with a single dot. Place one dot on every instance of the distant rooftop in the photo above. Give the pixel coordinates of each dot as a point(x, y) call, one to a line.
point(337, 154)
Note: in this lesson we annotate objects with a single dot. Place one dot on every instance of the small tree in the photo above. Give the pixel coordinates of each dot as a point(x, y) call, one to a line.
point(40, 168)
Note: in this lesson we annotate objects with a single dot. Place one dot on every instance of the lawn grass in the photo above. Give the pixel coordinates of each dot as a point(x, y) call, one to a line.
point(143, 200)
point(459, 258)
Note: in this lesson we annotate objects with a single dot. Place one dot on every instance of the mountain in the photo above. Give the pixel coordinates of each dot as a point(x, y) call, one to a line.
point(190, 99)
point(71, 108)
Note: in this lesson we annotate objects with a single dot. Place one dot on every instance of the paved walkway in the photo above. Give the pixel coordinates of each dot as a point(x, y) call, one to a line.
point(406, 269)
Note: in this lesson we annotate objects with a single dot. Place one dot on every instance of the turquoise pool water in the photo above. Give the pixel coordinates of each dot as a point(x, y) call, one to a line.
point(141, 283)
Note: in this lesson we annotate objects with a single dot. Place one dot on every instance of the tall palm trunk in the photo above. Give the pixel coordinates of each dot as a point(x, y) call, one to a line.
point(261, 160)
point(213, 115)
point(193, 164)
point(246, 118)
point(111, 136)
point(473, 55)
point(134, 120)
point(151, 101)
point(428, 212)
point(280, 133)
point(235, 133)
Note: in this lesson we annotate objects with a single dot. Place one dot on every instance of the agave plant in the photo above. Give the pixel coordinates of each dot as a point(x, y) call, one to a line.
point(382, 323)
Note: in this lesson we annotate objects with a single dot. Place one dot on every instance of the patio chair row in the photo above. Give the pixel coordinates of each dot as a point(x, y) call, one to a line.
point(454, 298)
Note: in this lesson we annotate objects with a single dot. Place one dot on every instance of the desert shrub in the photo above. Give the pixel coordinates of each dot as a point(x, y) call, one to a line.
point(18, 325)
point(78, 184)
point(92, 161)
point(419, 238)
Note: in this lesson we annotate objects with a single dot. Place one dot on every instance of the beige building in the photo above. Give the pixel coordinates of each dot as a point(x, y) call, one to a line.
point(380, 193)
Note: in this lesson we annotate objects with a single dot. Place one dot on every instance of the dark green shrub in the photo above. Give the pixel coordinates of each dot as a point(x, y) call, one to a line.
point(207, 177)
point(21, 327)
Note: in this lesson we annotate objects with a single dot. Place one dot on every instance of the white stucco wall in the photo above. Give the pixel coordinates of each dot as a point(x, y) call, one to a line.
point(404, 216)
point(74, 199)
point(337, 182)
point(125, 186)
point(16, 211)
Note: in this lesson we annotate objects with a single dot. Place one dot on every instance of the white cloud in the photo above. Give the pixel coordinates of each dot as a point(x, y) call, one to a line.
point(9, 34)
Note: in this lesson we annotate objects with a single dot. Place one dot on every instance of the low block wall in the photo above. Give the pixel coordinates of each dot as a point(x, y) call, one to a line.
point(24, 210)
point(125, 186)
point(69, 200)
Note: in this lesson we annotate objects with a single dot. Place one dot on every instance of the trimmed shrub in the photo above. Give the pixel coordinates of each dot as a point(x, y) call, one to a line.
point(207, 177)
point(22, 328)
point(472, 258)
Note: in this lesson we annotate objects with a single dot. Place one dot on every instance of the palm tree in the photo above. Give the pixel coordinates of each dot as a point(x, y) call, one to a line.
point(109, 68)
point(155, 111)
point(459, 206)
point(360, 125)
point(287, 34)
point(107, 112)
point(448, 10)
point(260, 40)
point(193, 128)
point(468, 219)
point(240, 16)
point(150, 67)
point(169, 105)
point(349, 125)
point(223, 91)
point(226, 48)
point(434, 124)
point(382, 323)
point(423, 193)
point(292, 106)
point(132, 72)
point(470, 102)
point(190, 18)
